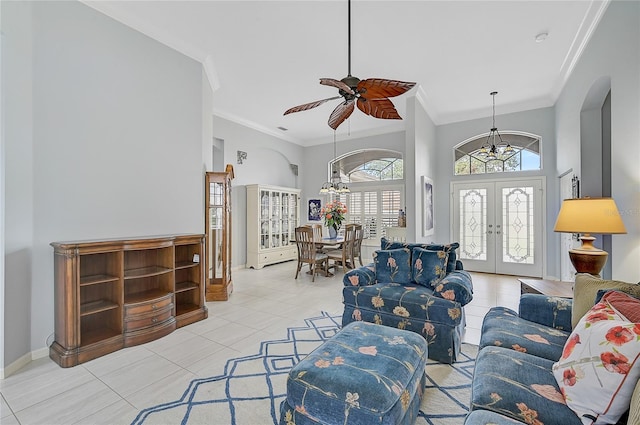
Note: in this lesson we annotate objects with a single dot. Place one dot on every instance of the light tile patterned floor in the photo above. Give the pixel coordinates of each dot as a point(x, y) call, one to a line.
point(112, 389)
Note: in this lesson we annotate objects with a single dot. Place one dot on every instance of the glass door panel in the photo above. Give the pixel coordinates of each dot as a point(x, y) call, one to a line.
point(499, 226)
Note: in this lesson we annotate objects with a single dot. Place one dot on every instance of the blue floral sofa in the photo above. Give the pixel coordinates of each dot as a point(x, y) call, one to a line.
point(534, 366)
point(416, 287)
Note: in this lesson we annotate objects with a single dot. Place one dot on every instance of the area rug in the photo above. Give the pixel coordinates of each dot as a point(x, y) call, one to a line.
point(252, 387)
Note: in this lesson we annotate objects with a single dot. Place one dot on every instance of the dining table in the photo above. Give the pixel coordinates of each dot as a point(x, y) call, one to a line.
point(325, 243)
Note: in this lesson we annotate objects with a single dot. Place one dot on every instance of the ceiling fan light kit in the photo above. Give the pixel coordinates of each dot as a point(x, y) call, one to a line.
point(370, 95)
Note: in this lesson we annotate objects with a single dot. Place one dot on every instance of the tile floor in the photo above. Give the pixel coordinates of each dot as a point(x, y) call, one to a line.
point(113, 388)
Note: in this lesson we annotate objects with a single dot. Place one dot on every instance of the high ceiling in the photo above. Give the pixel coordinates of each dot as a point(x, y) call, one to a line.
point(263, 57)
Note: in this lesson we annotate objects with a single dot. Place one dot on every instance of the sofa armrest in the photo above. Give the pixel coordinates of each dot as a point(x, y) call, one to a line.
point(455, 286)
point(362, 276)
point(459, 265)
point(554, 312)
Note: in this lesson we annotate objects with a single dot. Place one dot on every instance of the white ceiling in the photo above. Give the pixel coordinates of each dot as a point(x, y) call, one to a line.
point(263, 57)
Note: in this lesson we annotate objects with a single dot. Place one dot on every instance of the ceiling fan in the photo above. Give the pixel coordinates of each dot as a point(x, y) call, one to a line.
point(371, 95)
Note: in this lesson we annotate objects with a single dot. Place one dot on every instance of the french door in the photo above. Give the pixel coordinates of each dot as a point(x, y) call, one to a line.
point(499, 225)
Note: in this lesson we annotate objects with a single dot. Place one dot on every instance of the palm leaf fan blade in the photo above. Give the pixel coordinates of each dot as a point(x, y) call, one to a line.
point(379, 88)
point(341, 113)
point(379, 108)
point(337, 84)
point(309, 105)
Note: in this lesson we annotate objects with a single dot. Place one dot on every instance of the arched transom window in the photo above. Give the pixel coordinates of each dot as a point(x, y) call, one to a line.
point(376, 181)
point(472, 155)
point(370, 165)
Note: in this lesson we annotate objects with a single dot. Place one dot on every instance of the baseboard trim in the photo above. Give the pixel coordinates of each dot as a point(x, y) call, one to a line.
point(16, 366)
point(23, 361)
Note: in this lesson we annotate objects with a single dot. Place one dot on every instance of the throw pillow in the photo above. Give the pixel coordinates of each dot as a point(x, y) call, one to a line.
point(599, 366)
point(450, 248)
point(428, 267)
point(626, 305)
point(393, 265)
point(585, 290)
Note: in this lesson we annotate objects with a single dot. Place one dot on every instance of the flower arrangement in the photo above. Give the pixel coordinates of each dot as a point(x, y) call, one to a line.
point(333, 213)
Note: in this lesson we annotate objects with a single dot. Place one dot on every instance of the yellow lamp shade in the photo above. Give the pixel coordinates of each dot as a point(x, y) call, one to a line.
point(589, 215)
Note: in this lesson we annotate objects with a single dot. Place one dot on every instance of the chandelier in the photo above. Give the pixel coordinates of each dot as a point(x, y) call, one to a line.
point(494, 147)
point(334, 185)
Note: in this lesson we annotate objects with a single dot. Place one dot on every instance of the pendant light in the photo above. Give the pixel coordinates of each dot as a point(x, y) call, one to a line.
point(494, 147)
point(334, 185)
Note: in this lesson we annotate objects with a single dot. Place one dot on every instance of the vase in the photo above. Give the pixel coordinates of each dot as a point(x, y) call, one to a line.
point(333, 232)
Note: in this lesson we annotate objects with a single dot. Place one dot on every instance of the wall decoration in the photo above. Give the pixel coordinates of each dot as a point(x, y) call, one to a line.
point(313, 210)
point(575, 193)
point(428, 223)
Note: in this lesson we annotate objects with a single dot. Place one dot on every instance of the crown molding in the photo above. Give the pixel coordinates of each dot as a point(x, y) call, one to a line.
point(587, 27)
point(254, 126)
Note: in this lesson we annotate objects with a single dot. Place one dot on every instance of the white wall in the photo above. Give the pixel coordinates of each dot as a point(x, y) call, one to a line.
point(421, 159)
point(614, 52)
point(117, 132)
point(18, 177)
point(267, 162)
point(539, 122)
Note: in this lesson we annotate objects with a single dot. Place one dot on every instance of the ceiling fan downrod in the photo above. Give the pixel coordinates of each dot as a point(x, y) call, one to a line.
point(349, 39)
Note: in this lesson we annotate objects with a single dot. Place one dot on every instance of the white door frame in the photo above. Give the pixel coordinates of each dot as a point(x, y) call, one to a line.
point(490, 265)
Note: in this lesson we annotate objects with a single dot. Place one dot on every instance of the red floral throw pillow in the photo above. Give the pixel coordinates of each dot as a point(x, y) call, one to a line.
point(600, 365)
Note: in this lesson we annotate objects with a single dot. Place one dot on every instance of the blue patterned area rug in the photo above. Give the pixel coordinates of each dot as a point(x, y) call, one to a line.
point(252, 387)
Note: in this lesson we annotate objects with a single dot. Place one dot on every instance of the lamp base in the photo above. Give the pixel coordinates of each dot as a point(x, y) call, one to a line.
point(587, 258)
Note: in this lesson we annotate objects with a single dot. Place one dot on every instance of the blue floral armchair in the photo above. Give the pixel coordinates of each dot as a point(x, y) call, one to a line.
point(416, 287)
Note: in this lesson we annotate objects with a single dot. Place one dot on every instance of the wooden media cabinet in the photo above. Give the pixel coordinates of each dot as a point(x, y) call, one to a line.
point(111, 294)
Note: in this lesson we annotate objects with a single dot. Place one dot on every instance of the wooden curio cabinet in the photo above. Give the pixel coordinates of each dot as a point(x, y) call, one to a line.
point(111, 294)
point(218, 231)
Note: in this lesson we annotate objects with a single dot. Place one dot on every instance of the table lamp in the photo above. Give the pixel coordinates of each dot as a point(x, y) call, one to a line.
point(587, 216)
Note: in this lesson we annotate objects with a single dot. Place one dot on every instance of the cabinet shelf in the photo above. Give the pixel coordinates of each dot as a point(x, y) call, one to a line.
point(186, 286)
point(185, 308)
point(146, 272)
point(185, 264)
point(96, 307)
point(98, 335)
point(144, 296)
point(97, 278)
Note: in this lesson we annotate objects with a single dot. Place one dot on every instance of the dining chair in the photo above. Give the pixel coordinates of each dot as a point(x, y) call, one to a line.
point(308, 254)
point(344, 256)
point(357, 244)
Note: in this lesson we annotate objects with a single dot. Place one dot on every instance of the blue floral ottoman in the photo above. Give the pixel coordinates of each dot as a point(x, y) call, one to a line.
point(365, 374)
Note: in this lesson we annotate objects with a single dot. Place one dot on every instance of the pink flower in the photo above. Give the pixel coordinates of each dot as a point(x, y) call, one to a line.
point(449, 294)
point(391, 262)
point(322, 363)
point(548, 392)
point(354, 279)
point(429, 329)
point(357, 315)
point(536, 338)
point(418, 264)
point(369, 351)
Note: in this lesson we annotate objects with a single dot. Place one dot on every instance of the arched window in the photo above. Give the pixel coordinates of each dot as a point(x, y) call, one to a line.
point(376, 180)
point(369, 165)
point(471, 156)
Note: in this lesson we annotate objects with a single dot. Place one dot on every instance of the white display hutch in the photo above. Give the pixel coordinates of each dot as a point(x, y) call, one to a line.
point(273, 213)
